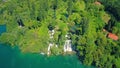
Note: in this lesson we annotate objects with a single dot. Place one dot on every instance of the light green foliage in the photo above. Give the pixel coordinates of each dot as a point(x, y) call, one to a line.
point(63, 27)
point(79, 6)
point(105, 17)
point(75, 17)
point(56, 51)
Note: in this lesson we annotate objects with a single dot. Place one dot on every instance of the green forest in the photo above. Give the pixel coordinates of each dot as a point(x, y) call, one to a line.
point(92, 25)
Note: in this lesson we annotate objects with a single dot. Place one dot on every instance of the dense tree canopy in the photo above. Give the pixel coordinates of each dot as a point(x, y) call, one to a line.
point(87, 21)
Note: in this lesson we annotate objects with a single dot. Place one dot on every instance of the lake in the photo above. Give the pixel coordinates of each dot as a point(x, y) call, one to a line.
point(13, 58)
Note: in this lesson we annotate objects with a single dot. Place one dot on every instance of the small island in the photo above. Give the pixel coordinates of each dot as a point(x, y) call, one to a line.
point(90, 29)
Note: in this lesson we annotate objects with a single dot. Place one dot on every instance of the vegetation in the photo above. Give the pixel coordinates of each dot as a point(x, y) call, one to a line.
point(29, 21)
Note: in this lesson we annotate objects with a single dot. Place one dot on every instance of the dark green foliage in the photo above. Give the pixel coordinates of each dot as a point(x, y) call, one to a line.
point(112, 7)
point(70, 7)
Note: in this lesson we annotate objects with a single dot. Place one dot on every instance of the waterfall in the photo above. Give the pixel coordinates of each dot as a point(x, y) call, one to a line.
point(51, 34)
point(68, 44)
